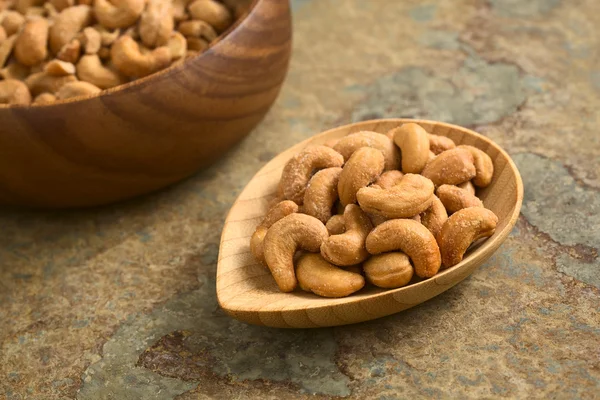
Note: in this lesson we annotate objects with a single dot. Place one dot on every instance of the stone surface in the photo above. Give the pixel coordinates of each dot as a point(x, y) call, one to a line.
point(119, 302)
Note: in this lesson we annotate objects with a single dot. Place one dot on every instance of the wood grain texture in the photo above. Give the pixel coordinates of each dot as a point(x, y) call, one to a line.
point(151, 132)
point(246, 290)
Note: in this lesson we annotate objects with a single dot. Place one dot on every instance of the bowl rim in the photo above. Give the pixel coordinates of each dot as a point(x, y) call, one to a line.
point(357, 298)
point(146, 80)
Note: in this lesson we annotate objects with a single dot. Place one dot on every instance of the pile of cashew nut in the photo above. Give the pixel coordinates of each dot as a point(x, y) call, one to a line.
point(58, 49)
point(388, 209)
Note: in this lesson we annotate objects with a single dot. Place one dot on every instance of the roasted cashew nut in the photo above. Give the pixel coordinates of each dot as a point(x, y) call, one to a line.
point(76, 89)
point(452, 167)
point(115, 14)
point(438, 144)
point(277, 212)
point(156, 23)
point(44, 98)
point(59, 68)
point(455, 198)
point(434, 217)
point(213, 12)
point(322, 193)
point(67, 25)
point(129, 60)
point(411, 238)
point(388, 179)
point(336, 225)
point(12, 22)
point(347, 145)
point(389, 270)
point(468, 186)
point(410, 197)
point(90, 69)
point(318, 276)
point(13, 91)
point(363, 167)
point(41, 82)
point(70, 52)
point(199, 29)
point(299, 169)
point(284, 237)
point(484, 167)
point(463, 228)
point(348, 248)
point(414, 147)
point(30, 47)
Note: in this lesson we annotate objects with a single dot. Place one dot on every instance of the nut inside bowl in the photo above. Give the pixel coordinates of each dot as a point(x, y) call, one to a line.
point(247, 291)
point(151, 132)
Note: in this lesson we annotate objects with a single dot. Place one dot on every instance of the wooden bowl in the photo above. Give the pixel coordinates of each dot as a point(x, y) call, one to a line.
point(147, 134)
point(247, 291)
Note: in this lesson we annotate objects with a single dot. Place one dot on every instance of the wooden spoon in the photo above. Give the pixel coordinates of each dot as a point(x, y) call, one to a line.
point(246, 290)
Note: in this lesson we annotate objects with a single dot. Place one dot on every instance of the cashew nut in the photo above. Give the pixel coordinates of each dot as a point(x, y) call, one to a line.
point(12, 22)
point(411, 196)
point(6, 47)
point(59, 68)
point(455, 198)
point(44, 98)
point(414, 147)
point(76, 89)
point(179, 10)
point(90, 69)
point(13, 91)
point(41, 82)
point(115, 14)
point(484, 166)
point(177, 46)
point(388, 179)
point(14, 71)
point(35, 12)
point(434, 217)
point(348, 248)
point(67, 24)
point(107, 37)
point(278, 211)
point(213, 12)
point(321, 193)
point(468, 186)
point(23, 5)
point(196, 44)
point(411, 238)
point(156, 23)
point(129, 60)
point(298, 170)
point(463, 228)
point(199, 29)
point(336, 225)
point(438, 144)
point(389, 270)
point(60, 5)
point(452, 167)
point(70, 52)
point(91, 40)
point(349, 144)
point(363, 167)
point(286, 236)
point(50, 11)
point(318, 276)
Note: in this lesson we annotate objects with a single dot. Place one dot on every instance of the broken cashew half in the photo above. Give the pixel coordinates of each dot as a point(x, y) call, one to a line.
point(277, 212)
point(348, 248)
point(284, 237)
point(318, 276)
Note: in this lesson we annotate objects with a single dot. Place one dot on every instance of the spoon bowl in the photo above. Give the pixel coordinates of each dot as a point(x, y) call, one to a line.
point(247, 291)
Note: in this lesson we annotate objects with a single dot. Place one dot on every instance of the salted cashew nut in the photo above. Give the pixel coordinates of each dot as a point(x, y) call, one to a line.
point(91, 40)
point(484, 167)
point(389, 270)
point(130, 61)
point(12, 22)
point(336, 225)
point(388, 179)
point(30, 47)
point(284, 237)
point(452, 167)
point(76, 89)
point(455, 198)
point(59, 68)
point(438, 144)
point(275, 213)
point(156, 23)
point(411, 238)
point(468, 186)
point(321, 193)
point(6, 48)
point(41, 82)
point(414, 147)
point(15, 92)
point(177, 46)
point(348, 248)
point(213, 12)
point(349, 144)
point(463, 228)
point(320, 277)
point(115, 14)
point(363, 167)
point(299, 169)
point(70, 52)
point(434, 217)
point(411, 196)
point(44, 98)
point(90, 69)
point(67, 25)
point(199, 29)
